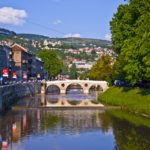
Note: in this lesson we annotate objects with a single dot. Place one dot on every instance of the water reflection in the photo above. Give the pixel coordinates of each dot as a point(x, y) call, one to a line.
point(77, 126)
point(73, 95)
point(74, 129)
point(40, 100)
point(129, 137)
point(131, 132)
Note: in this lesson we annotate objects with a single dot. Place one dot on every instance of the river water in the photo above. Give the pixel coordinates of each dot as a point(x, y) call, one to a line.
point(28, 127)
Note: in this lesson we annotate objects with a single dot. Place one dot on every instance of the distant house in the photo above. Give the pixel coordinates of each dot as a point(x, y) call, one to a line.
point(82, 64)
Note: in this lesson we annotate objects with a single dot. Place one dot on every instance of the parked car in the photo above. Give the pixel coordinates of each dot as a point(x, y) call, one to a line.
point(119, 83)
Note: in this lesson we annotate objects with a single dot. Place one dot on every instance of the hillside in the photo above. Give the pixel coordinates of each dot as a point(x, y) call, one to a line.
point(6, 32)
point(77, 51)
point(36, 42)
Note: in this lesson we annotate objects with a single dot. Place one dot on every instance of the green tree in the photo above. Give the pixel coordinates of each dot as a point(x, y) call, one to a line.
point(102, 69)
point(130, 29)
point(73, 72)
point(52, 63)
point(65, 70)
point(84, 74)
point(117, 71)
point(93, 52)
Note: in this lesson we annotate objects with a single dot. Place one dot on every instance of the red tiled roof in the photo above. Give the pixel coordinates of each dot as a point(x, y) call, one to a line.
point(19, 46)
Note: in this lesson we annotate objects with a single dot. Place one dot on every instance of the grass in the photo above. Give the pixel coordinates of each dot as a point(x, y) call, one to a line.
point(133, 119)
point(132, 99)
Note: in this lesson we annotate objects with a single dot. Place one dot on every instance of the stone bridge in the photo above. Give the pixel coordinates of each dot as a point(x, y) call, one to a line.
point(85, 85)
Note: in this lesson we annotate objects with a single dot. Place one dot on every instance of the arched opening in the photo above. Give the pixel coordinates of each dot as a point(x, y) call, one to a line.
point(53, 89)
point(95, 88)
point(99, 88)
point(74, 88)
point(92, 89)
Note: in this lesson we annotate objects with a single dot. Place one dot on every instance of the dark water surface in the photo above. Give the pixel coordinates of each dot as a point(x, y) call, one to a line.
point(74, 129)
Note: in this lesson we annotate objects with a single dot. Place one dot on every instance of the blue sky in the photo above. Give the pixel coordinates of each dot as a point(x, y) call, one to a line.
point(59, 18)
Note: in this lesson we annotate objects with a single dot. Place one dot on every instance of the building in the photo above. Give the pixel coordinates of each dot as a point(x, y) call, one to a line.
point(23, 60)
point(82, 64)
point(37, 68)
point(16, 62)
point(6, 62)
point(26, 64)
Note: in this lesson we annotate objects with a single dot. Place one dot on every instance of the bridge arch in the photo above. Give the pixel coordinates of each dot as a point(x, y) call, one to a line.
point(74, 87)
point(92, 88)
point(53, 89)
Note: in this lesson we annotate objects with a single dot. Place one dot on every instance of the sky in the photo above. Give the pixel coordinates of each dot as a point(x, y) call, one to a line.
point(59, 18)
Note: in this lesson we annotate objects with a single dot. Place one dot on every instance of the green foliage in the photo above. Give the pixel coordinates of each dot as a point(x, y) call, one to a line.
point(118, 72)
point(64, 70)
point(84, 42)
point(101, 69)
point(130, 29)
point(52, 63)
point(136, 100)
point(84, 75)
point(93, 52)
point(73, 72)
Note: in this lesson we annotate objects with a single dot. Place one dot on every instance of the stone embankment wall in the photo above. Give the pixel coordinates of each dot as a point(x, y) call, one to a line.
point(10, 94)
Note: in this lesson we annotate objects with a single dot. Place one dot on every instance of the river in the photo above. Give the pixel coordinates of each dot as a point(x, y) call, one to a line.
point(34, 128)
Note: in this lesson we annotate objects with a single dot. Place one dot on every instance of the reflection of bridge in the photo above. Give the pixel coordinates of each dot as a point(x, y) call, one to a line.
point(63, 102)
point(82, 104)
point(85, 85)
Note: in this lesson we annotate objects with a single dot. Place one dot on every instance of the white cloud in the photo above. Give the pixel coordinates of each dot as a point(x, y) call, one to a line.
point(56, 22)
point(76, 35)
point(108, 36)
point(9, 15)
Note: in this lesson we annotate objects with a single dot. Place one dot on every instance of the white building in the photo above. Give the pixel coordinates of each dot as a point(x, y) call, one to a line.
point(82, 65)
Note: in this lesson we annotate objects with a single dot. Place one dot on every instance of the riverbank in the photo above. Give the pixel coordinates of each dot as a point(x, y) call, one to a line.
point(131, 99)
point(10, 94)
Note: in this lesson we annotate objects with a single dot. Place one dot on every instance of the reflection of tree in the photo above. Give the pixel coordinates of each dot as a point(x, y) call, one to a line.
point(105, 121)
point(129, 136)
point(49, 121)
